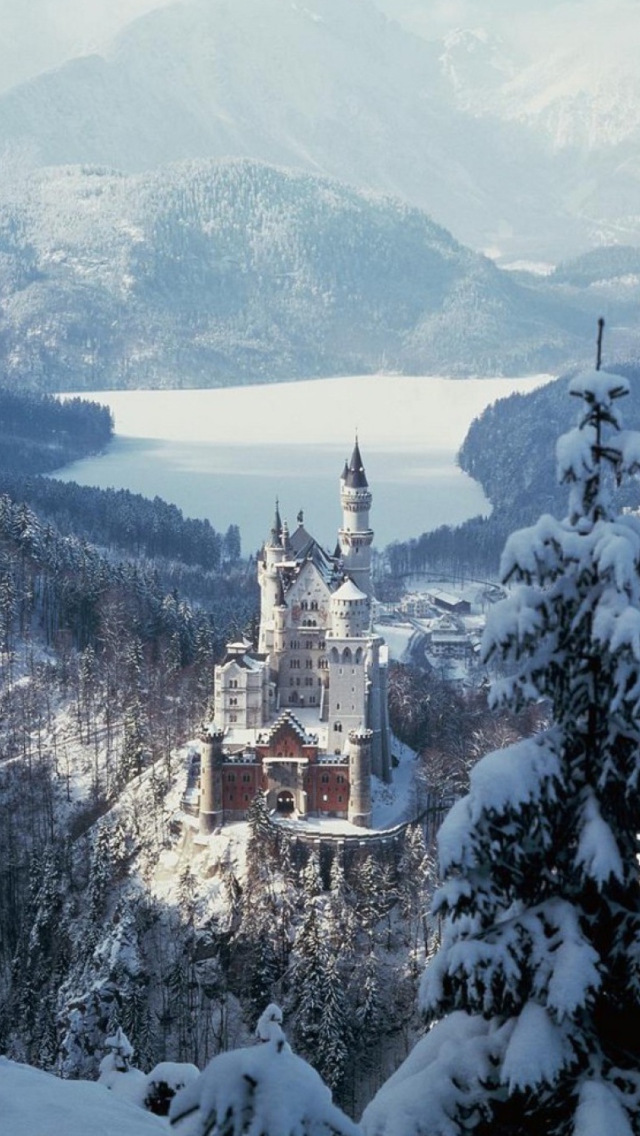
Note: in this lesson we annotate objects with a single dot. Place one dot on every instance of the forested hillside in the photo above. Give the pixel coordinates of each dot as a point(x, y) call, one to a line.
point(510, 450)
point(210, 273)
point(104, 671)
point(519, 146)
point(39, 433)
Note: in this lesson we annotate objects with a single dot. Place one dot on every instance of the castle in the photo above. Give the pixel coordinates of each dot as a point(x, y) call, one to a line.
point(305, 716)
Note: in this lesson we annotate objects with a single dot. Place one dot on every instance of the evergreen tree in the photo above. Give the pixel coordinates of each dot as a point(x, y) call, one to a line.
point(334, 1028)
point(264, 1089)
point(134, 747)
point(536, 988)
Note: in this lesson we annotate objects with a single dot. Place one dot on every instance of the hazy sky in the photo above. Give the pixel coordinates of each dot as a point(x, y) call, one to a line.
point(538, 24)
point(39, 34)
point(36, 35)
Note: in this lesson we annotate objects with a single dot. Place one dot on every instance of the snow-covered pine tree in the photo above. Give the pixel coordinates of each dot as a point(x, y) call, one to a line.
point(264, 1089)
point(535, 991)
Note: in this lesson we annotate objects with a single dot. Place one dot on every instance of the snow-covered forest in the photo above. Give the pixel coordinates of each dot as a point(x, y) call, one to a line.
point(509, 449)
point(207, 273)
point(128, 941)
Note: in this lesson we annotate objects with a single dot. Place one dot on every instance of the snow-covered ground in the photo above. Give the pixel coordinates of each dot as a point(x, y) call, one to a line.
point(36, 1104)
point(225, 454)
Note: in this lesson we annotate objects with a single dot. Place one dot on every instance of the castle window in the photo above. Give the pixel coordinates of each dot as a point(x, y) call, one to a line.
point(337, 705)
point(246, 796)
point(340, 779)
point(233, 701)
point(338, 729)
point(309, 644)
point(233, 717)
point(291, 681)
point(325, 778)
point(231, 777)
point(321, 645)
point(304, 605)
point(246, 777)
point(339, 800)
point(314, 605)
point(297, 682)
point(308, 663)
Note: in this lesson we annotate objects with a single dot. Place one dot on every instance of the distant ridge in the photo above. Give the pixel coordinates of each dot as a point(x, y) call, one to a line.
point(335, 88)
point(209, 273)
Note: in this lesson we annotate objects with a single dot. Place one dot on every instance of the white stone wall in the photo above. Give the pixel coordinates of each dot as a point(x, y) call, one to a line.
point(347, 689)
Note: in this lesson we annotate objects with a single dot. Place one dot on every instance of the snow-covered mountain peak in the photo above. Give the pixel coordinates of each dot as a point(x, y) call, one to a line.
point(476, 64)
point(587, 96)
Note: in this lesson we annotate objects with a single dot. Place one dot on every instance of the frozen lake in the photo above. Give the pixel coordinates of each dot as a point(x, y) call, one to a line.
point(226, 454)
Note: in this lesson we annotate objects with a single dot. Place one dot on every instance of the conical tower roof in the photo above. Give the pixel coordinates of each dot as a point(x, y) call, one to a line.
point(356, 478)
point(276, 528)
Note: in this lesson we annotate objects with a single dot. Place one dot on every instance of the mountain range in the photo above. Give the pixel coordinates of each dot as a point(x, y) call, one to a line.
point(205, 273)
point(523, 157)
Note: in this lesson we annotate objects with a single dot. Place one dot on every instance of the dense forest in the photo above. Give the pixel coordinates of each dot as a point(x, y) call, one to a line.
point(209, 273)
point(39, 433)
point(105, 668)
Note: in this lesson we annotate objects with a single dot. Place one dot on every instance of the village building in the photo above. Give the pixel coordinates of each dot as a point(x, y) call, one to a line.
point(304, 715)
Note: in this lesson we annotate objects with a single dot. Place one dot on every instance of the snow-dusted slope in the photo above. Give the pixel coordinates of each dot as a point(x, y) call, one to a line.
point(583, 95)
point(39, 1104)
point(526, 148)
point(206, 273)
point(329, 87)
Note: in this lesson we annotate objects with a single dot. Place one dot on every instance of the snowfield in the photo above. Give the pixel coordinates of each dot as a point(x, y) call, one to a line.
point(36, 1104)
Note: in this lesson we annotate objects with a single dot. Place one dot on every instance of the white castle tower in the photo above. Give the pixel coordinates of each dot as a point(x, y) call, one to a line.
point(270, 583)
point(305, 716)
point(356, 536)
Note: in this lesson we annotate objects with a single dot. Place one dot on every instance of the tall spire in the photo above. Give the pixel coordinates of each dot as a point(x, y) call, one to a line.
point(355, 536)
point(276, 528)
point(355, 477)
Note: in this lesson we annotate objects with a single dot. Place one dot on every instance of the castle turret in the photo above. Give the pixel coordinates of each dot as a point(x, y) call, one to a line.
point(360, 777)
point(279, 632)
point(356, 536)
point(211, 758)
point(270, 583)
point(349, 612)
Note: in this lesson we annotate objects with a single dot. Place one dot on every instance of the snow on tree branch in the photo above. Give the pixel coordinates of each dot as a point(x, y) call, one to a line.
point(533, 1000)
point(262, 1091)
